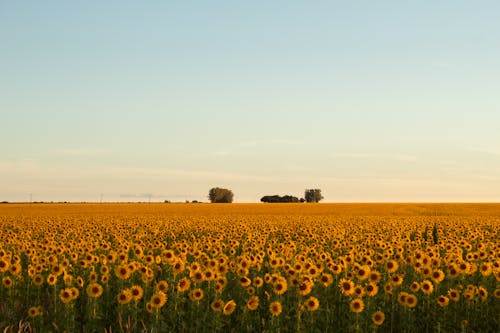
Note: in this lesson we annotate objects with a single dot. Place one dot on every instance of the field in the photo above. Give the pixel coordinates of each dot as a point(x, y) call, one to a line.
point(250, 267)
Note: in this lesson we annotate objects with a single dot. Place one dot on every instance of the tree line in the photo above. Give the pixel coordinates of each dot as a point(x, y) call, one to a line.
point(224, 195)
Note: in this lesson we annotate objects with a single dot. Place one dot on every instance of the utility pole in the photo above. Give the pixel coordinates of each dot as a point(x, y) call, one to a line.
point(101, 197)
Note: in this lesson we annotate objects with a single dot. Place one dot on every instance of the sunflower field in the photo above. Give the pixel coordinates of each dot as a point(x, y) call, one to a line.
point(250, 268)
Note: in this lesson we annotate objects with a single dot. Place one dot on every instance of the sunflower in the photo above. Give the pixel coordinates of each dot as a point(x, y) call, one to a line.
point(374, 276)
point(245, 281)
point(258, 282)
point(74, 292)
point(122, 272)
point(483, 293)
point(346, 286)
point(197, 276)
point(275, 308)
point(37, 279)
point(357, 305)
point(427, 287)
point(396, 280)
point(388, 288)
point(469, 295)
point(94, 290)
point(183, 285)
point(137, 292)
point(378, 318)
point(443, 301)
point(280, 287)
point(217, 305)
point(411, 300)
point(336, 269)
point(371, 289)
point(437, 276)
point(149, 307)
point(402, 298)
point(196, 295)
point(359, 291)
point(311, 304)
point(15, 269)
point(7, 282)
point(363, 272)
point(464, 267)
point(253, 303)
point(4, 265)
point(305, 287)
point(161, 285)
point(486, 269)
point(65, 295)
point(33, 312)
point(209, 275)
point(250, 290)
point(453, 271)
point(415, 286)
point(391, 266)
point(454, 295)
point(326, 279)
point(104, 270)
point(229, 307)
point(52, 279)
point(158, 299)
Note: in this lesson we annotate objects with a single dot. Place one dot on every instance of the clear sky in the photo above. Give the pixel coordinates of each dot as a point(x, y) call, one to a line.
point(367, 100)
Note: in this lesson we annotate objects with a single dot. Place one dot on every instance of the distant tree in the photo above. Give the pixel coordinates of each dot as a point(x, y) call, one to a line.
point(313, 195)
point(220, 195)
point(277, 198)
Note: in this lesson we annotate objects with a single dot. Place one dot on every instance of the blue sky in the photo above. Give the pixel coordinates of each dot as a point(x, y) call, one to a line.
point(367, 100)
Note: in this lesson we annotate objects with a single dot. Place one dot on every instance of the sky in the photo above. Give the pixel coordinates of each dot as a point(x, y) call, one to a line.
point(163, 100)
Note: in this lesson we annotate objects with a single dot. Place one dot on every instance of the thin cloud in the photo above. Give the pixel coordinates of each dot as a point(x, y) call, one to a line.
point(237, 147)
point(484, 150)
point(81, 151)
point(399, 157)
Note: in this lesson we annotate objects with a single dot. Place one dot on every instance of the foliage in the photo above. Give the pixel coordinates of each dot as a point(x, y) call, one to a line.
point(248, 268)
point(313, 195)
point(277, 198)
point(220, 195)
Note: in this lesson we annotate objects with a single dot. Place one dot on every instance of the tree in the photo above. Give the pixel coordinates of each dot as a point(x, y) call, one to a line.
point(220, 195)
point(277, 198)
point(313, 195)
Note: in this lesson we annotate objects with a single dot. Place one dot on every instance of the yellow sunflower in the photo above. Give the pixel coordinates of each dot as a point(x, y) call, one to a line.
point(137, 292)
point(94, 290)
point(275, 308)
point(311, 304)
point(158, 299)
point(229, 307)
point(253, 303)
point(378, 318)
point(196, 295)
point(357, 305)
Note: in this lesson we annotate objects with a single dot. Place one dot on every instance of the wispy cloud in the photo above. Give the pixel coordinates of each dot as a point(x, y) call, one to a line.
point(252, 144)
point(398, 157)
point(486, 150)
point(81, 151)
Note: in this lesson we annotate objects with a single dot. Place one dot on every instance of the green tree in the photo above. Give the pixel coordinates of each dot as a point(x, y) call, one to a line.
point(220, 195)
point(313, 195)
